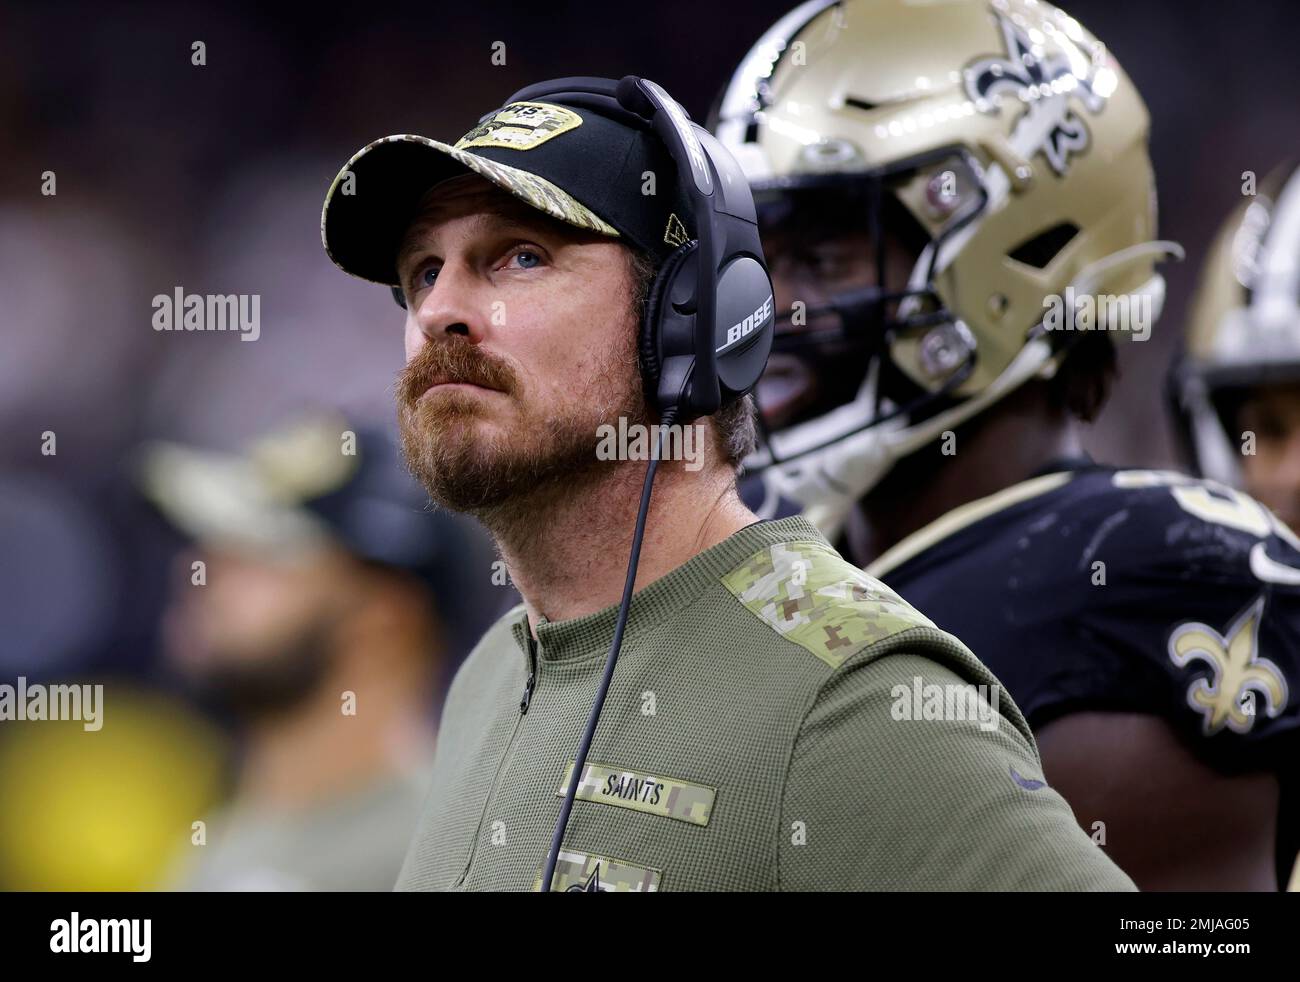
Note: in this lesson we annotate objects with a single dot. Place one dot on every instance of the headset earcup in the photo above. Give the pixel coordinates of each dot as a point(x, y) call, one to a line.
point(745, 304)
point(656, 298)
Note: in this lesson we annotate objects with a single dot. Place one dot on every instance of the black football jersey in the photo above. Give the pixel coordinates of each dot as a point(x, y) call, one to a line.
point(1124, 590)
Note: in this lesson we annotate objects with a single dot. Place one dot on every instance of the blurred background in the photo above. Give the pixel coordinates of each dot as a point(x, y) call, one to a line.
point(210, 178)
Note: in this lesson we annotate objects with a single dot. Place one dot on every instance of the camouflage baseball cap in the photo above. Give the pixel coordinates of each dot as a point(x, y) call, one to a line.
point(592, 171)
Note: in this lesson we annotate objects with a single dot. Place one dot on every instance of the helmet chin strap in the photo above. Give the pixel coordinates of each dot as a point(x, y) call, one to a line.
point(829, 482)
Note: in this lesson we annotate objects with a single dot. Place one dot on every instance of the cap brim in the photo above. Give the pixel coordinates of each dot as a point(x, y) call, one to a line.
point(374, 197)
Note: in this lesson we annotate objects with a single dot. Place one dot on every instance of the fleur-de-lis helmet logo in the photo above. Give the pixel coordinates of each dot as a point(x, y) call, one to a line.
point(1043, 78)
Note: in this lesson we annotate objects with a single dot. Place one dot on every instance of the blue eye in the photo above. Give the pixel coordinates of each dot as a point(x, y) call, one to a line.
point(528, 260)
point(428, 276)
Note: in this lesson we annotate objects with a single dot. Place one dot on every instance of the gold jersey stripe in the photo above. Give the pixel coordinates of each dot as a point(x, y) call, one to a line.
point(957, 519)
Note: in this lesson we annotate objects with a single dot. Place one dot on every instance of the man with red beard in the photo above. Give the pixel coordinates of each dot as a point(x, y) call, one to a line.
point(777, 720)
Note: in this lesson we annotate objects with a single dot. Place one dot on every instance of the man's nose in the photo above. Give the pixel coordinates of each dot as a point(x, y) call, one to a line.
point(454, 305)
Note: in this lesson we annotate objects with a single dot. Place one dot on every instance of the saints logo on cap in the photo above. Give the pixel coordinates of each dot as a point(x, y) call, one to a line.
point(521, 126)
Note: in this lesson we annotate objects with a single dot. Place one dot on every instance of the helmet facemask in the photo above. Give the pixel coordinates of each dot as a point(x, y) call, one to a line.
point(856, 277)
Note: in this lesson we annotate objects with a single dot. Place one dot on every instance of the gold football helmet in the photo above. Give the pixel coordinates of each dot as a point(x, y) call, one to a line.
point(995, 143)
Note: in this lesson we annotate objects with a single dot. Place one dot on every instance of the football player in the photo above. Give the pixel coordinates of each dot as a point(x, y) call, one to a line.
point(959, 213)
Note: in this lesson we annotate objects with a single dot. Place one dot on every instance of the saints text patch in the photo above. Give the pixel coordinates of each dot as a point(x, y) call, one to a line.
point(641, 791)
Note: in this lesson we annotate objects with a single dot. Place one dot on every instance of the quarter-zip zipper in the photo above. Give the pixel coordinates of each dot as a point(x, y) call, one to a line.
point(530, 685)
point(531, 682)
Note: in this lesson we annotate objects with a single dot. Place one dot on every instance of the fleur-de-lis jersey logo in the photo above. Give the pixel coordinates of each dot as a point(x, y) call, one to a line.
point(1043, 82)
point(1236, 672)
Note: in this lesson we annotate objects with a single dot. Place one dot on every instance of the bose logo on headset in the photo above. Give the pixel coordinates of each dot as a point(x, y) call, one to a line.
point(738, 332)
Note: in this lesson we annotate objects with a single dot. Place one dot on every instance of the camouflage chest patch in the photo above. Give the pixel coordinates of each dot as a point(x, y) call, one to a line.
point(580, 872)
point(807, 593)
point(641, 791)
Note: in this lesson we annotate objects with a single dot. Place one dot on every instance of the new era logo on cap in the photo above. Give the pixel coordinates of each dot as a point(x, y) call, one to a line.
point(675, 234)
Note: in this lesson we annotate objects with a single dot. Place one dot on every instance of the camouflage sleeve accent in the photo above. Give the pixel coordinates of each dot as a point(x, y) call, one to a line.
point(643, 791)
point(580, 872)
point(807, 593)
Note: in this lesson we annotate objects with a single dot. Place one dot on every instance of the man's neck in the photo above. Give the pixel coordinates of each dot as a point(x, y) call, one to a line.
point(567, 549)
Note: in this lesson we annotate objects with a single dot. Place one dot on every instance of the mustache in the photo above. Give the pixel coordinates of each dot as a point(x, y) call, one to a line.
point(452, 361)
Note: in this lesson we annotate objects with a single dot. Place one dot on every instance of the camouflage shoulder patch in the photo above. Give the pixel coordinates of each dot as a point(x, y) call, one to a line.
point(521, 126)
point(807, 593)
point(642, 791)
point(580, 872)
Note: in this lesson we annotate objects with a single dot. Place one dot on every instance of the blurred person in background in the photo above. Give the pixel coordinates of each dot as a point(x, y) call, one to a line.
point(1236, 394)
point(321, 610)
point(933, 182)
